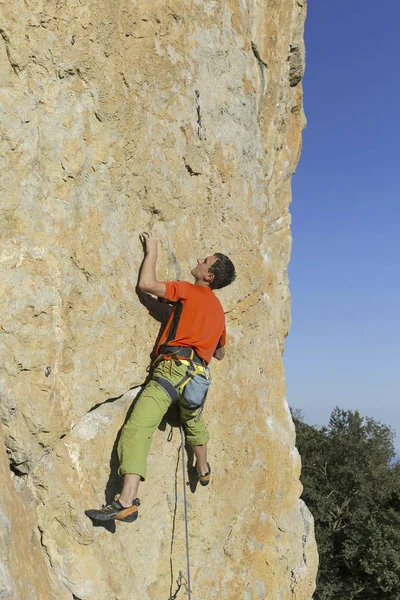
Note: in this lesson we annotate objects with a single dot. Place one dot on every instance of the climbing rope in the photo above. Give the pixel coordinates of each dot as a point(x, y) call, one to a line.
point(188, 589)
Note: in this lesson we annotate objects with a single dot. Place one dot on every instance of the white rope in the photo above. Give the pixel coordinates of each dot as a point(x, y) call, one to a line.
point(188, 589)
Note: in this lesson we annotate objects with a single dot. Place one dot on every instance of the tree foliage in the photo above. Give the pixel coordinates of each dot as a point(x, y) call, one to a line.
point(352, 487)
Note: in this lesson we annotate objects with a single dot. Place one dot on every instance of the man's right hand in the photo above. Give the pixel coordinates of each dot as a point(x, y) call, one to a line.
point(149, 240)
point(148, 282)
point(219, 353)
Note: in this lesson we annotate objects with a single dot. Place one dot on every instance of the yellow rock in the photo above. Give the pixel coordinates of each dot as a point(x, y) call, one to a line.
point(185, 118)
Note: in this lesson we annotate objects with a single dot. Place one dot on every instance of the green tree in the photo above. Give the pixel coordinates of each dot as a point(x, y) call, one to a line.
point(352, 487)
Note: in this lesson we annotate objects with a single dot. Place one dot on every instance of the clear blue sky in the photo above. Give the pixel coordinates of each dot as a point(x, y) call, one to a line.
point(344, 345)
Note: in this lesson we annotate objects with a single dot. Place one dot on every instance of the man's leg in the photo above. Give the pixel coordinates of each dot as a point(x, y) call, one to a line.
point(137, 435)
point(201, 458)
point(135, 442)
point(133, 449)
point(197, 436)
point(130, 489)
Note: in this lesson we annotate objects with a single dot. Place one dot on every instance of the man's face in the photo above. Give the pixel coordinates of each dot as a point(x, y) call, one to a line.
point(201, 271)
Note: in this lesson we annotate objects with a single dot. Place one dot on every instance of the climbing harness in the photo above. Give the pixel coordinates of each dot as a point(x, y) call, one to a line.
point(193, 387)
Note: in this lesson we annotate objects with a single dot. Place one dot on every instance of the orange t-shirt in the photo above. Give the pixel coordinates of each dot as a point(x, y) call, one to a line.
point(202, 322)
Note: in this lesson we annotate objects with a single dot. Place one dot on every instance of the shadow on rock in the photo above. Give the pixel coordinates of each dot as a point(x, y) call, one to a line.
point(193, 479)
point(107, 525)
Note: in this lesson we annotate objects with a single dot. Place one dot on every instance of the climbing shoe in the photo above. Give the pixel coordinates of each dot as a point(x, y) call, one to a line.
point(204, 479)
point(116, 511)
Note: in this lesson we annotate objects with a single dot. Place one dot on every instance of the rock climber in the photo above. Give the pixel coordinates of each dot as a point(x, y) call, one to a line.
point(194, 334)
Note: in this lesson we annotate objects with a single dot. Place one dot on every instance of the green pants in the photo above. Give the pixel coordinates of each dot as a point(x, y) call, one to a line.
point(136, 436)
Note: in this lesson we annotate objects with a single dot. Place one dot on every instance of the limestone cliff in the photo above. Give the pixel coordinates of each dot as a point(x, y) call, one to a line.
point(116, 117)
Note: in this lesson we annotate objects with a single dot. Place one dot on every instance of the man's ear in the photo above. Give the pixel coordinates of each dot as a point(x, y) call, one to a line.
point(210, 277)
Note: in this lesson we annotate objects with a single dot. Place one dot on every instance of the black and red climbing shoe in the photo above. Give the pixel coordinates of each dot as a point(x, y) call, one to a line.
point(116, 511)
point(204, 479)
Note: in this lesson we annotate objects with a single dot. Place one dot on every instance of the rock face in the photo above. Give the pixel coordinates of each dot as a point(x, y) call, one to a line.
point(118, 117)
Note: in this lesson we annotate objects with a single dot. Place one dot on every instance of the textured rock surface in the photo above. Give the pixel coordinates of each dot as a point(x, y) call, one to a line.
point(116, 117)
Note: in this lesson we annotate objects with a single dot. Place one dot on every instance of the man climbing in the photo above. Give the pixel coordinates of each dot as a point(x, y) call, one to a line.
point(194, 334)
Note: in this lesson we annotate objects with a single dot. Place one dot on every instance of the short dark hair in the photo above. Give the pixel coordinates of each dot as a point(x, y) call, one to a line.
point(223, 270)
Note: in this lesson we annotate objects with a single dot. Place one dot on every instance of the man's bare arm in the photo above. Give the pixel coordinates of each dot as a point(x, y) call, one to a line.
point(148, 282)
point(219, 353)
